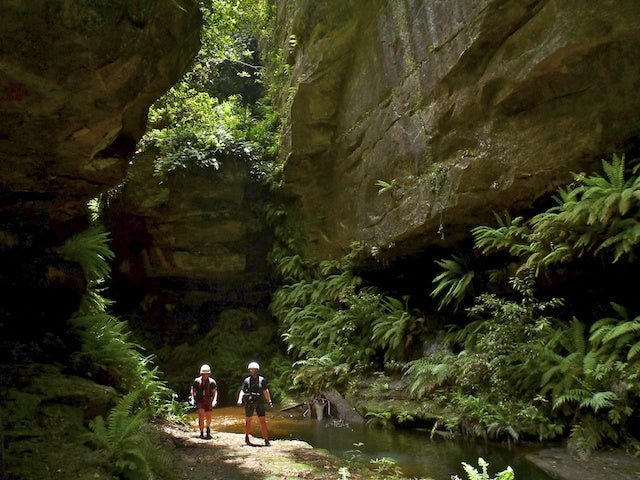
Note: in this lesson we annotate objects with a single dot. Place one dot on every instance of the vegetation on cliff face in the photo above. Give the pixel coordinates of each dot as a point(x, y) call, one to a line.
point(217, 109)
point(526, 355)
point(90, 386)
point(530, 355)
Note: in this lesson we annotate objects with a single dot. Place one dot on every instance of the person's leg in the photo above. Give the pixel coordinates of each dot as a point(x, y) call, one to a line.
point(248, 413)
point(247, 429)
point(260, 410)
point(201, 421)
point(263, 429)
point(207, 415)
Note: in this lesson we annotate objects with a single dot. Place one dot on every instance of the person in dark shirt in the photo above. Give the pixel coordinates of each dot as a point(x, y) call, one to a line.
point(254, 393)
point(204, 395)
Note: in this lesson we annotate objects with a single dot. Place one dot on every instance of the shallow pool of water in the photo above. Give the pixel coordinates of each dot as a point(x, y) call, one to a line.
point(415, 452)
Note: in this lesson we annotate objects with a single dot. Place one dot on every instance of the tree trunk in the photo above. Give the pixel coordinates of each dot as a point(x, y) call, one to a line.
point(344, 411)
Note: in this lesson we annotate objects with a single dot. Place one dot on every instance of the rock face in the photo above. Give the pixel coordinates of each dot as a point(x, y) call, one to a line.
point(412, 120)
point(76, 80)
point(189, 245)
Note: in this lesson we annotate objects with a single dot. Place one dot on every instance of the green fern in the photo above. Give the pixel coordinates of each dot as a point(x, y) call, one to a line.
point(425, 374)
point(318, 373)
point(393, 331)
point(383, 418)
point(612, 195)
point(511, 235)
point(91, 250)
point(564, 360)
point(588, 434)
point(292, 267)
point(614, 336)
point(385, 186)
point(92, 301)
point(129, 447)
point(474, 474)
point(586, 399)
point(596, 215)
point(454, 283)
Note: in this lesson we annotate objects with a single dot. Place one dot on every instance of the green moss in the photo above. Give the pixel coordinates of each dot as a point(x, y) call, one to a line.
point(45, 420)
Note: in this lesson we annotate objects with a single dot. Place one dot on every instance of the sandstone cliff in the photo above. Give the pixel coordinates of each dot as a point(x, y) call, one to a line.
point(456, 109)
point(76, 80)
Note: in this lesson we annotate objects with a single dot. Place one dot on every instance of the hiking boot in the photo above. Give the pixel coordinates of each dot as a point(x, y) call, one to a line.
point(208, 437)
point(266, 443)
point(246, 440)
point(201, 435)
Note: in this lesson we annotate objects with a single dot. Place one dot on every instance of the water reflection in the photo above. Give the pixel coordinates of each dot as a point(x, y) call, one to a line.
point(415, 452)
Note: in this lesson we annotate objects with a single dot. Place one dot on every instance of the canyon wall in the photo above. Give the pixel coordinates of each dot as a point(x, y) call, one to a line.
point(76, 81)
point(411, 121)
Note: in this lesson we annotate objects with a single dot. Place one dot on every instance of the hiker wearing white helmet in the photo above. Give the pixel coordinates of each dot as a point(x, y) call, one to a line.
point(254, 393)
point(204, 395)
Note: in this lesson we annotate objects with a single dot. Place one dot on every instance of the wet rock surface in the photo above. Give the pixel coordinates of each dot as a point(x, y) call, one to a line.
point(560, 464)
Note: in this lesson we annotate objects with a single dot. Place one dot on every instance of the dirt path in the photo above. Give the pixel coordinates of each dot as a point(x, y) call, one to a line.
point(226, 457)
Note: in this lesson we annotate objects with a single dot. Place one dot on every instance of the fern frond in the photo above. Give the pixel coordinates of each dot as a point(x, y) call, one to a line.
point(599, 400)
point(454, 283)
point(633, 352)
point(510, 235)
point(576, 395)
point(90, 249)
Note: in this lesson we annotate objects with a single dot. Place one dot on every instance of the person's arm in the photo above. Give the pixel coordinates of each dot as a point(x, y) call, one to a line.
point(265, 391)
point(192, 395)
point(241, 394)
point(214, 402)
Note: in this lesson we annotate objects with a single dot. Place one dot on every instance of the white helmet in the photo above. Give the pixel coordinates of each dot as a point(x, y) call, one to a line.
point(253, 365)
point(205, 369)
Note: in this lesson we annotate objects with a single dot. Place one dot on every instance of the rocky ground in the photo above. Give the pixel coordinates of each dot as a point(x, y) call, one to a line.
point(226, 457)
point(560, 464)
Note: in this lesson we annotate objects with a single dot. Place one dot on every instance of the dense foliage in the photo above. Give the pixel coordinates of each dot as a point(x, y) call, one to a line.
point(529, 357)
point(125, 442)
point(218, 108)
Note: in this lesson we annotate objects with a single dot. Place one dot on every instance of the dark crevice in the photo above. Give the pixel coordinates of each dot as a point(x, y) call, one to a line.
point(122, 147)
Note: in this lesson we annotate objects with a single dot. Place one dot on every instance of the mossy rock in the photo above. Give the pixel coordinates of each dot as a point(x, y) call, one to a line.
point(45, 416)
